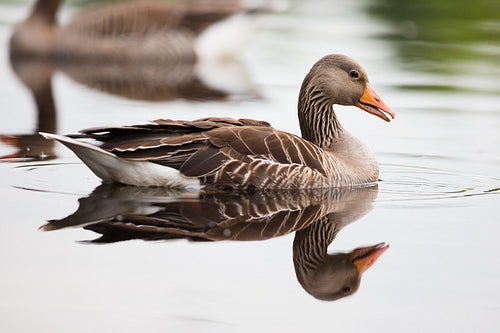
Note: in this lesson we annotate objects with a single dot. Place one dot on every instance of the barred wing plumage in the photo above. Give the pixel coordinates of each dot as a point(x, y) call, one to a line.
point(227, 152)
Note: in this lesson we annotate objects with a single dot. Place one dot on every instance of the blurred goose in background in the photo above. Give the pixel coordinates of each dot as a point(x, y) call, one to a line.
point(148, 31)
point(146, 50)
point(245, 153)
point(122, 213)
point(139, 50)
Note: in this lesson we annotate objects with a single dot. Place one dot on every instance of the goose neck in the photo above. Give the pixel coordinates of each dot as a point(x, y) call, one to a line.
point(311, 244)
point(317, 119)
point(46, 10)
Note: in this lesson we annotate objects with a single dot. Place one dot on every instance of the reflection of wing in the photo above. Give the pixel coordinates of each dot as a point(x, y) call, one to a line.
point(149, 82)
point(165, 81)
point(123, 212)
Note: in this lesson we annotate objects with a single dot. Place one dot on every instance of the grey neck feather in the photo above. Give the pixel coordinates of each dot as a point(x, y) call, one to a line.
point(310, 246)
point(318, 122)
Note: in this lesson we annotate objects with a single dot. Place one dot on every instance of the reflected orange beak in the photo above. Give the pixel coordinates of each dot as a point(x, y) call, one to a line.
point(372, 103)
point(365, 257)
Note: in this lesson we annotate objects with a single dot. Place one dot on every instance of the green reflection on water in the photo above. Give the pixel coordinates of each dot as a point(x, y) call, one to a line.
point(441, 35)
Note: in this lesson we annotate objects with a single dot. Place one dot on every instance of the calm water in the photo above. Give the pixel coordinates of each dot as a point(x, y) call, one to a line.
point(437, 65)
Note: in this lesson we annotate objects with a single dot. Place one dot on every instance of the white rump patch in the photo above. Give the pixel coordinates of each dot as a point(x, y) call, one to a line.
point(111, 168)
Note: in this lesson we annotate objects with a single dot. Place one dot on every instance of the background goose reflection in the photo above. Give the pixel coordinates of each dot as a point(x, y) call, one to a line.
point(122, 213)
point(37, 77)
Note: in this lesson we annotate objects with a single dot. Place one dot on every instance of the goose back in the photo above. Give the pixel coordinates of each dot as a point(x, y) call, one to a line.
point(122, 19)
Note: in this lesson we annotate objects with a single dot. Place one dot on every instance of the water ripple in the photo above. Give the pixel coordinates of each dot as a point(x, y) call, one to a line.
point(438, 179)
point(402, 179)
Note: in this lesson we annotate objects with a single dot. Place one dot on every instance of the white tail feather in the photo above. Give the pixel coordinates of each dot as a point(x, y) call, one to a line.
point(111, 168)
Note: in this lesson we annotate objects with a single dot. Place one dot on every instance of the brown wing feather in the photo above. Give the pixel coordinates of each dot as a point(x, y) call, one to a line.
point(203, 162)
point(153, 134)
point(227, 151)
point(269, 143)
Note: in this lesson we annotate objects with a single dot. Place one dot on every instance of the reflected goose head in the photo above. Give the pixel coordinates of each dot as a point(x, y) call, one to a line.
point(339, 275)
point(338, 79)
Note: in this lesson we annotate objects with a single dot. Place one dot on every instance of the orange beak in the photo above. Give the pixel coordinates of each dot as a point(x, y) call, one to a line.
point(365, 257)
point(372, 103)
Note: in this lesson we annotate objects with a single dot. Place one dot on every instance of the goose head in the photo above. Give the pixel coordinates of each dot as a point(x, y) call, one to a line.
point(339, 275)
point(338, 79)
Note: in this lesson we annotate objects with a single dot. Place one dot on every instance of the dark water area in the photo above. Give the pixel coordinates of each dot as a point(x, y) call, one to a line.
point(81, 256)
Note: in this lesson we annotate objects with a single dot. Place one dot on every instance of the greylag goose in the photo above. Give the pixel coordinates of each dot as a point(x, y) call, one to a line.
point(245, 153)
point(120, 213)
point(135, 31)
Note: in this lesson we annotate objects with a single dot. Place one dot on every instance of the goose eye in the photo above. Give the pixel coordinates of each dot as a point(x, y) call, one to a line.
point(354, 74)
point(345, 290)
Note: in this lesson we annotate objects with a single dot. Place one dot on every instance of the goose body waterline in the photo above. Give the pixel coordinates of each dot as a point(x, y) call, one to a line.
point(245, 153)
point(140, 31)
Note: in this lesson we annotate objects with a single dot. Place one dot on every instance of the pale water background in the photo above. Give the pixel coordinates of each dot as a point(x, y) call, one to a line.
point(435, 62)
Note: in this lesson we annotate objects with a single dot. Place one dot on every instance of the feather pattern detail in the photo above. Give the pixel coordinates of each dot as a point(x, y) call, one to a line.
point(224, 151)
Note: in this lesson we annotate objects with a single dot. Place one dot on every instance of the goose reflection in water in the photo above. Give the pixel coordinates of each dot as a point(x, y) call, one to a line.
point(37, 77)
point(122, 213)
point(149, 51)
